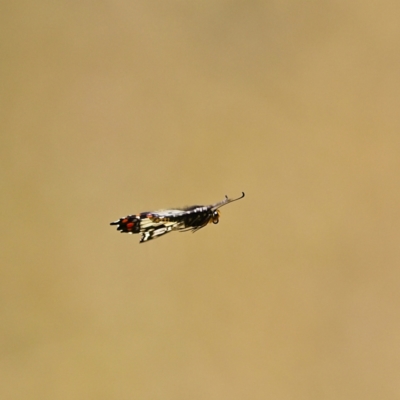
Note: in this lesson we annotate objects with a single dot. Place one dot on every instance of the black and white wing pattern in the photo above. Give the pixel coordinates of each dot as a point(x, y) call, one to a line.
point(154, 224)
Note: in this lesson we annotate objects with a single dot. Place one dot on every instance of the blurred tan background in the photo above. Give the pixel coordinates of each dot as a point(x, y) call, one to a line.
point(116, 107)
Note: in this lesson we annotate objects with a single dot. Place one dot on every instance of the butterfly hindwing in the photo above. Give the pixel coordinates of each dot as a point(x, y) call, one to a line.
point(128, 224)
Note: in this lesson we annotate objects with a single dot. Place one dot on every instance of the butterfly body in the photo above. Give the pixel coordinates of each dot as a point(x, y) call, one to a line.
point(154, 224)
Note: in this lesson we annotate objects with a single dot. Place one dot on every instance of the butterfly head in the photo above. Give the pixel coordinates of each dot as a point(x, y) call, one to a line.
point(215, 217)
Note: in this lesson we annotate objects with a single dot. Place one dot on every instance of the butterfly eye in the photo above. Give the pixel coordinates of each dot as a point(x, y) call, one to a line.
point(215, 217)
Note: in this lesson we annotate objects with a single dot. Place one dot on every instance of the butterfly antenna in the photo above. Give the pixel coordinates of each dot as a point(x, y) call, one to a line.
point(228, 200)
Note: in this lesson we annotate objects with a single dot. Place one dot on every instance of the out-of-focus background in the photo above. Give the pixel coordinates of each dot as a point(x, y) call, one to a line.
point(116, 107)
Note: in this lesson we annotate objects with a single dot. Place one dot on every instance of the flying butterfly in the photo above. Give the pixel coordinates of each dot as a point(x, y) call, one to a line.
point(154, 224)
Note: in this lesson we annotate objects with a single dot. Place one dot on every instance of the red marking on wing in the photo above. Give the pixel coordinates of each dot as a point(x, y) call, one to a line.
point(130, 224)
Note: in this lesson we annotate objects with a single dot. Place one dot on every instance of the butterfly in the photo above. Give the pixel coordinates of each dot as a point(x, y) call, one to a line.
point(154, 224)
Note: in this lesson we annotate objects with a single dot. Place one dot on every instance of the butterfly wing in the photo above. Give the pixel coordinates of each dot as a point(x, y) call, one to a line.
point(159, 223)
point(128, 224)
point(154, 232)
